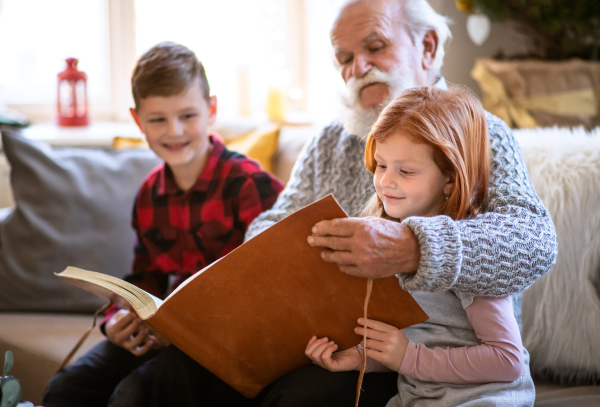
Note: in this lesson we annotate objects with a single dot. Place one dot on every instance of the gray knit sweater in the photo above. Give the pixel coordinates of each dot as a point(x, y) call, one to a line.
point(499, 253)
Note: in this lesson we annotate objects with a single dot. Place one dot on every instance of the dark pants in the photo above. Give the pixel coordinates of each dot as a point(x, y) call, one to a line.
point(111, 376)
point(311, 385)
point(92, 378)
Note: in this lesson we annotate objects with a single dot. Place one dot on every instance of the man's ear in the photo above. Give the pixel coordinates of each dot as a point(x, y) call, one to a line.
point(430, 44)
point(136, 118)
point(212, 110)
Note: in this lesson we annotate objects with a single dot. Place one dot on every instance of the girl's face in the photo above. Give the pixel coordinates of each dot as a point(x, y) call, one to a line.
point(407, 180)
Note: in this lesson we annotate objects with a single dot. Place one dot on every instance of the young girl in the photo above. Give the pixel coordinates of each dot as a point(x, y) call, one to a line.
point(429, 154)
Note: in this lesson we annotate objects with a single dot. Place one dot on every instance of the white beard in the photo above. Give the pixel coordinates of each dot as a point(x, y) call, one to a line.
point(357, 120)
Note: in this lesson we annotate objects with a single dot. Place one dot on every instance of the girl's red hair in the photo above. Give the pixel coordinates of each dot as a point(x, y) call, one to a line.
point(453, 123)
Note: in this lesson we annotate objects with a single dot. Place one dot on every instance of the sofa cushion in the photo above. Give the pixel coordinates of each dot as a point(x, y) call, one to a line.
point(259, 144)
point(72, 207)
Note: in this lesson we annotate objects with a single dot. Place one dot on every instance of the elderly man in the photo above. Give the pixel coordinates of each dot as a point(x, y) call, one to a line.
point(383, 47)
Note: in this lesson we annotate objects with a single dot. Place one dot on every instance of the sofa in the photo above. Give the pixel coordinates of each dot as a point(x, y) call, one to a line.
point(72, 207)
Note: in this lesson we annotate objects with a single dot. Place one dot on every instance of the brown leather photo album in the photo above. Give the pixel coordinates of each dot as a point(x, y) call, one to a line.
point(248, 317)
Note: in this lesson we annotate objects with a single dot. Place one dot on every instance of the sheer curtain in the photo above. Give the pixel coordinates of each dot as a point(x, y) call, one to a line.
point(324, 82)
point(248, 46)
point(241, 43)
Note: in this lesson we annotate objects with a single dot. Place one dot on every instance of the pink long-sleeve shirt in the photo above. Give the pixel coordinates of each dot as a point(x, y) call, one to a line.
point(499, 357)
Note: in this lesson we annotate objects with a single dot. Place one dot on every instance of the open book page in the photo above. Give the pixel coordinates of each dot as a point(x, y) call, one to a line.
point(103, 285)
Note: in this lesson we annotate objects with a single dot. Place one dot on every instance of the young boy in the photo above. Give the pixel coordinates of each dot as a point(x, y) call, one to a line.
point(189, 212)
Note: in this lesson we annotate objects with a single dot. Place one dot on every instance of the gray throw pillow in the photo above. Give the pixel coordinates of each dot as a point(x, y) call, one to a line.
point(72, 208)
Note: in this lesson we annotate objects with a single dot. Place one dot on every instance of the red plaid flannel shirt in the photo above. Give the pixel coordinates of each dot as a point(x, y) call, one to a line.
point(179, 233)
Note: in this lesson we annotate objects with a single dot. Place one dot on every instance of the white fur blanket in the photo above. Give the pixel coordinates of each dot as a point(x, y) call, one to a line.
point(561, 311)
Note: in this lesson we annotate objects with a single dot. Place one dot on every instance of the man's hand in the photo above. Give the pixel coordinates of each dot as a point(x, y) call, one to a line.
point(126, 330)
point(367, 247)
point(321, 351)
point(385, 343)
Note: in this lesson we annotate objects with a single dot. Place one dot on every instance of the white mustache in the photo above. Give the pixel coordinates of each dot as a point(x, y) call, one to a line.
point(355, 85)
point(355, 119)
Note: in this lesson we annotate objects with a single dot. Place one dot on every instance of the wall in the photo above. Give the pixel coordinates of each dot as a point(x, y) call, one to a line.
point(461, 52)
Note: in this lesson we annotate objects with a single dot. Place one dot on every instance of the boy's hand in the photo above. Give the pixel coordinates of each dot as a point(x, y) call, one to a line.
point(126, 330)
point(321, 351)
point(385, 343)
point(159, 341)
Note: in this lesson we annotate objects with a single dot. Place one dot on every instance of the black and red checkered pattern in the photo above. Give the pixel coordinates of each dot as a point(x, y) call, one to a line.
point(179, 233)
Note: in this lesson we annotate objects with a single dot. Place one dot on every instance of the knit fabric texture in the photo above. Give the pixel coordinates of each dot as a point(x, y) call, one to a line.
point(498, 253)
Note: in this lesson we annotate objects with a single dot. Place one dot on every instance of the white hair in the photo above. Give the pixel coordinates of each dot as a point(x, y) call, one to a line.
point(420, 18)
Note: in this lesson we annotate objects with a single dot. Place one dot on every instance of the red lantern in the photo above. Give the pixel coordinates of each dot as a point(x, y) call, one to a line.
point(72, 96)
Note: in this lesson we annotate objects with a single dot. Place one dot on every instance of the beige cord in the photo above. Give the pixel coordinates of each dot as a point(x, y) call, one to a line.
point(83, 337)
point(363, 363)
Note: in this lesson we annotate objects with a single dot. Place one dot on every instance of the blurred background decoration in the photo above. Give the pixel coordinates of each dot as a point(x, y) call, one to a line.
point(253, 48)
point(556, 81)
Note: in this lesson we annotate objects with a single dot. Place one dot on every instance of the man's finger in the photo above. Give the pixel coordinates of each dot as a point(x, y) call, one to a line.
point(335, 227)
point(330, 242)
point(351, 270)
point(339, 257)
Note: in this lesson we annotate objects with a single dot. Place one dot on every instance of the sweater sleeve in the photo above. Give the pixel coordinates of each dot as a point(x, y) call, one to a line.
point(499, 357)
point(499, 252)
point(298, 192)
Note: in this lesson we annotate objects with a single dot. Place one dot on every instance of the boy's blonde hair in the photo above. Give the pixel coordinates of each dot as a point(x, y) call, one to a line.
point(167, 69)
point(453, 123)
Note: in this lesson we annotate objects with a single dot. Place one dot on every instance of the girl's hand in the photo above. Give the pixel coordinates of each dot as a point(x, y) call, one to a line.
point(385, 343)
point(126, 330)
point(321, 351)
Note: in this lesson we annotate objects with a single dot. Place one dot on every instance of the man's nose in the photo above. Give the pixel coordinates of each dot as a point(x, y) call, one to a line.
point(360, 66)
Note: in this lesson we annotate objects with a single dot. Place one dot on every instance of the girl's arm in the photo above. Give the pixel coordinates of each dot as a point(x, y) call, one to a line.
point(499, 358)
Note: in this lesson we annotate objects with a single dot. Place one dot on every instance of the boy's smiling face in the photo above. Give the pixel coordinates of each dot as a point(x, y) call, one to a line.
point(176, 128)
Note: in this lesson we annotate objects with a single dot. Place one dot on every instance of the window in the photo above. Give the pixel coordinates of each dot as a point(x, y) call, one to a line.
point(247, 47)
point(34, 49)
point(242, 44)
